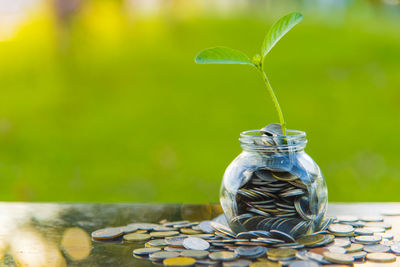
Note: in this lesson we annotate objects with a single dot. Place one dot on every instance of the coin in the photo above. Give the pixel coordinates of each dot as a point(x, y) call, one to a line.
point(347, 218)
point(176, 241)
point(395, 248)
point(206, 227)
point(107, 233)
point(303, 264)
point(381, 257)
point(133, 237)
point(281, 253)
point(156, 243)
point(375, 229)
point(164, 255)
point(367, 239)
point(337, 228)
point(190, 231)
point(376, 248)
point(256, 251)
point(179, 261)
point(145, 251)
point(207, 262)
point(319, 251)
point(237, 263)
point(363, 231)
point(384, 225)
point(388, 236)
point(164, 234)
point(358, 255)
point(371, 218)
point(354, 247)
point(341, 242)
point(338, 258)
point(310, 240)
point(197, 254)
point(195, 243)
point(335, 249)
point(223, 256)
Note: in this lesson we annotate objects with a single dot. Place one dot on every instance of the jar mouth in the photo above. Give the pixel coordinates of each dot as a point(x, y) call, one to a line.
point(295, 140)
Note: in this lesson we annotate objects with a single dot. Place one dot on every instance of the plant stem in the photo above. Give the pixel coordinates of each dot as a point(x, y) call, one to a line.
point(274, 99)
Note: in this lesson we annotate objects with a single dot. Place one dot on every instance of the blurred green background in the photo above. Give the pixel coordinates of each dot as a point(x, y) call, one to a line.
point(101, 100)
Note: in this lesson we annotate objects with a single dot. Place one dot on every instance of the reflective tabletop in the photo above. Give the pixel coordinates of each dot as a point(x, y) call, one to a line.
point(54, 234)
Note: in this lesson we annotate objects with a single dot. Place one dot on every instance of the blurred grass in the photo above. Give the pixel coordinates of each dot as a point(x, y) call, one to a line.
point(112, 108)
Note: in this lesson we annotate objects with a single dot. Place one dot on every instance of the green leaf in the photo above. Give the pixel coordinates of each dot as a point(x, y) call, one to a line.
point(222, 55)
point(278, 30)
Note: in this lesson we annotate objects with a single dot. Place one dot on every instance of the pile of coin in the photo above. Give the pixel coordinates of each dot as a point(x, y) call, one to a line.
point(346, 240)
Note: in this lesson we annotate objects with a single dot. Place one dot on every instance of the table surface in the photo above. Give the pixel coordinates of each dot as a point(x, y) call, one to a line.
point(52, 234)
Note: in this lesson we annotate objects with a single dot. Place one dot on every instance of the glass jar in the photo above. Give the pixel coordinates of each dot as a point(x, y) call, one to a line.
point(274, 185)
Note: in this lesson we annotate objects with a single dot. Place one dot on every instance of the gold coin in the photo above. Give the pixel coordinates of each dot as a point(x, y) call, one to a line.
point(338, 258)
point(190, 231)
point(133, 237)
point(179, 261)
point(354, 247)
point(164, 234)
point(381, 257)
point(278, 253)
point(265, 263)
point(310, 240)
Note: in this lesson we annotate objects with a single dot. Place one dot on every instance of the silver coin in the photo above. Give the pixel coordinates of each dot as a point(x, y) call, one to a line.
point(388, 236)
point(367, 239)
point(237, 263)
point(376, 248)
point(162, 255)
point(358, 255)
point(376, 229)
point(195, 243)
point(371, 218)
point(145, 251)
point(363, 231)
point(395, 248)
point(206, 227)
point(107, 233)
point(306, 263)
point(341, 242)
point(335, 249)
point(347, 218)
point(251, 251)
point(176, 241)
point(338, 228)
point(197, 254)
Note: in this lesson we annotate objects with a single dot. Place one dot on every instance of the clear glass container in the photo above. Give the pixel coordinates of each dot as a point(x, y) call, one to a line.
point(274, 185)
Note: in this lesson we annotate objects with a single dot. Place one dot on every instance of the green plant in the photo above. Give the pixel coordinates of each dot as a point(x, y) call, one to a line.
point(225, 55)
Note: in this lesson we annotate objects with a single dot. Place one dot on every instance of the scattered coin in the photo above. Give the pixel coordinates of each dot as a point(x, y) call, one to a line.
point(363, 231)
point(156, 243)
point(197, 254)
point(256, 251)
point(338, 258)
point(303, 264)
point(237, 263)
point(223, 256)
point(145, 251)
point(310, 240)
point(195, 243)
point(335, 249)
point(164, 234)
point(358, 255)
point(354, 247)
point(347, 218)
point(179, 261)
point(175, 241)
point(281, 253)
point(371, 218)
point(339, 242)
point(367, 239)
point(133, 237)
point(381, 257)
point(395, 248)
point(107, 233)
point(337, 228)
point(190, 231)
point(376, 248)
point(161, 255)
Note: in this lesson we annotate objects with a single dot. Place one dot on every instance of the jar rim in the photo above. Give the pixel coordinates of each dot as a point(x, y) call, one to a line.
point(295, 140)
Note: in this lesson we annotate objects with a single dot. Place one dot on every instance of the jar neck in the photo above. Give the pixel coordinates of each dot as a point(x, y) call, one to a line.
point(253, 140)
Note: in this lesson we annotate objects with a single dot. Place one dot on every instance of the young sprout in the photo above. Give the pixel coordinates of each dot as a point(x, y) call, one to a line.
point(225, 55)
